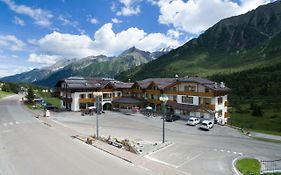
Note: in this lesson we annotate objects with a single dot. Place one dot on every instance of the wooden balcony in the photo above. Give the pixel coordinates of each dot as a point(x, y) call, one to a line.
point(136, 91)
point(155, 101)
point(203, 94)
point(107, 90)
point(226, 103)
point(226, 115)
point(87, 100)
point(208, 106)
point(153, 91)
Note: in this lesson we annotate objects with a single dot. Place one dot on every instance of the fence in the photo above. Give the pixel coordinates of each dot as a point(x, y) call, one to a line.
point(273, 166)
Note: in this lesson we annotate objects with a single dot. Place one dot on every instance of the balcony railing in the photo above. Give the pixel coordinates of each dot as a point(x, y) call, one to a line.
point(153, 91)
point(208, 106)
point(136, 91)
point(87, 100)
point(204, 94)
point(155, 101)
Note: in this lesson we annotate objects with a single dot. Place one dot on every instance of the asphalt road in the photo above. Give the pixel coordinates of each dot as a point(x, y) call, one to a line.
point(28, 147)
point(193, 151)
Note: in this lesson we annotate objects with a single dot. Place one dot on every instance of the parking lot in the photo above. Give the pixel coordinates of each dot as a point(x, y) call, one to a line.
point(192, 150)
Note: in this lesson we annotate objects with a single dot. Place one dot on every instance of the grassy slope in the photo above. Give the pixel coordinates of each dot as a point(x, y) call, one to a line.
point(4, 94)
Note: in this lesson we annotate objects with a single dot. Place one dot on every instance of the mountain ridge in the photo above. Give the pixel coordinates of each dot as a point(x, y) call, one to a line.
point(100, 65)
point(233, 44)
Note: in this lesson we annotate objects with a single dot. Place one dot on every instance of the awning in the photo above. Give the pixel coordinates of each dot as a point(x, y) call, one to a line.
point(185, 107)
point(128, 100)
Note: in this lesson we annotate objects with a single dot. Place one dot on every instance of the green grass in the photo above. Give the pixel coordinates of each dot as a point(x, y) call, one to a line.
point(54, 101)
point(49, 99)
point(269, 123)
point(4, 94)
point(248, 166)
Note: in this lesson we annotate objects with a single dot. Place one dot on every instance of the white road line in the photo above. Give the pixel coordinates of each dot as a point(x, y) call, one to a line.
point(215, 150)
point(5, 124)
point(159, 161)
point(234, 152)
point(17, 122)
point(228, 151)
point(222, 150)
point(241, 154)
point(11, 123)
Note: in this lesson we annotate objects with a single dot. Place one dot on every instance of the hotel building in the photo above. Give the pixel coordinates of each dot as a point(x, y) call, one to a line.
point(188, 96)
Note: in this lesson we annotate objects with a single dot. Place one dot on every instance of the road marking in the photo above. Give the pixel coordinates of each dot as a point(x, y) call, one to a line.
point(215, 150)
point(11, 123)
point(234, 152)
point(17, 122)
point(228, 151)
point(5, 124)
point(222, 150)
point(241, 154)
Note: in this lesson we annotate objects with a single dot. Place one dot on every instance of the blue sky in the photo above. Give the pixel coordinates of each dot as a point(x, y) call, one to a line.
point(34, 34)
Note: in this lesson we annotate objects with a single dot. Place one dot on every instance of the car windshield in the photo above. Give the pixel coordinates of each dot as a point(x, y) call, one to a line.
point(205, 124)
point(191, 120)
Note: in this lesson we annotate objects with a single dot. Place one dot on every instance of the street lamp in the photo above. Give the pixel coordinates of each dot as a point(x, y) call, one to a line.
point(97, 95)
point(163, 98)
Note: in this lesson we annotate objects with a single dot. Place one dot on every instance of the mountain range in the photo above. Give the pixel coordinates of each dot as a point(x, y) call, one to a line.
point(98, 66)
point(235, 44)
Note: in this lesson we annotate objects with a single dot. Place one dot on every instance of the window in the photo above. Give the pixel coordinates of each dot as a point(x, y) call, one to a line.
point(186, 99)
point(174, 88)
point(82, 95)
point(90, 95)
point(220, 113)
point(220, 100)
point(119, 94)
point(207, 90)
point(174, 98)
point(189, 88)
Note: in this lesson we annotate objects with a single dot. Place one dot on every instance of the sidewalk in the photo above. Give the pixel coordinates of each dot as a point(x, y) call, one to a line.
point(137, 160)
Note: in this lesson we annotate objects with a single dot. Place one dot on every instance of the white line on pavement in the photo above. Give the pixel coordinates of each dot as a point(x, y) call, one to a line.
point(222, 150)
point(228, 151)
point(5, 124)
point(17, 122)
point(11, 123)
point(241, 154)
point(234, 152)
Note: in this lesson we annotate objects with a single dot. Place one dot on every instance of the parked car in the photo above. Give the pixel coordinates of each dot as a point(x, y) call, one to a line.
point(171, 118)
point(206, 125)
point(193, 121)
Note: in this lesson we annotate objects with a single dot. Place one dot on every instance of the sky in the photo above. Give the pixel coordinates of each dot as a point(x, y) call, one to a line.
point(38, 33)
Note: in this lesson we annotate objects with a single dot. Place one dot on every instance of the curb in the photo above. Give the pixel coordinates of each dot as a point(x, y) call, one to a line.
point(236, 171)
point(81, 139)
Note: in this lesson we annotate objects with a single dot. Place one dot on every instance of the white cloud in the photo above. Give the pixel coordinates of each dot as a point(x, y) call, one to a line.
point(195, 16)
point(93, 20)
point(40, 16)
point(116, 21)
point(19, 21)
point(43, 59)
point(67, 45)
point(105, 41)
point(11, 42)
point(130, 7)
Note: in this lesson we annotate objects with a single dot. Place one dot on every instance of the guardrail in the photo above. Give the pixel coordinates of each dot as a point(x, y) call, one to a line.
point(272, 166)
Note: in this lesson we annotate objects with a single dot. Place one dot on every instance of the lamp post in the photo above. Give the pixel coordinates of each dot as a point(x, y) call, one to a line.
point(97, 95)
point(163, 98)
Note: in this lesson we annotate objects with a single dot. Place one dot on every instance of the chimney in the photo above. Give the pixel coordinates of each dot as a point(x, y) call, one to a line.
point(222, 85)
point(216, 85)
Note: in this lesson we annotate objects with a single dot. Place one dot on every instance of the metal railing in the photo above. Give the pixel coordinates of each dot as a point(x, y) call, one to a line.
point(272, 166)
